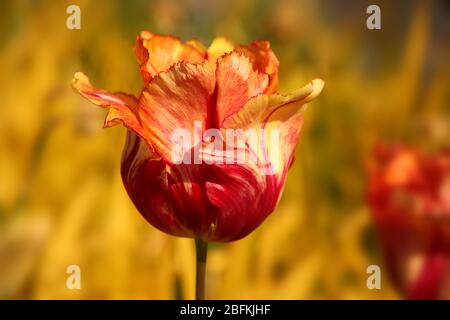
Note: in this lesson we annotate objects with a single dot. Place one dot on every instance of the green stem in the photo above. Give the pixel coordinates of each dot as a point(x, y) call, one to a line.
point(201, 249)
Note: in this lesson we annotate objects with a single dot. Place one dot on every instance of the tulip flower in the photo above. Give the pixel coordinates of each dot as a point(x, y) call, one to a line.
point(409, 194)
point(206, 93)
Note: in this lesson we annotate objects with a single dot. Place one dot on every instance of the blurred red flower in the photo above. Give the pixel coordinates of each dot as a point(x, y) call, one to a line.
point(409, 194)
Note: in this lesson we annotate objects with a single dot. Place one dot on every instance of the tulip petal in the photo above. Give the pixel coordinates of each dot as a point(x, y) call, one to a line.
point(145, 178)
point(195, 43)
point(176, 99)
point(264, 60)
point(283, 113)
point(188, 199)
point(237, 82)
point(157, 53)
point(243, 197)
point(123, 108)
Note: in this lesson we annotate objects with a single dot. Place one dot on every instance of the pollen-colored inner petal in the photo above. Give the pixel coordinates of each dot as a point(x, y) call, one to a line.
point(218, 48)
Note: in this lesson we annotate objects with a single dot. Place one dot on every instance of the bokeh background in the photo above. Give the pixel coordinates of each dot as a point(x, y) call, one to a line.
point(61, 197)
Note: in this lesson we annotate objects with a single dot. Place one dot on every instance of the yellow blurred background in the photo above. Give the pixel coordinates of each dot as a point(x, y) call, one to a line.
point(61, 197)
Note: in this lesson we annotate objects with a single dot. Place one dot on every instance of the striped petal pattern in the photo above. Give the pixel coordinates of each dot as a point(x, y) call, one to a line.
point(206, 93)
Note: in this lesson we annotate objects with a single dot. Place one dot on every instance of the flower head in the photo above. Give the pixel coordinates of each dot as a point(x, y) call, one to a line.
point(409, 193)
point(209, 141)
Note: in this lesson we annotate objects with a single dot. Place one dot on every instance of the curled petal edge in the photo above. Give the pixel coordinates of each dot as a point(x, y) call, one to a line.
point(123, 107)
